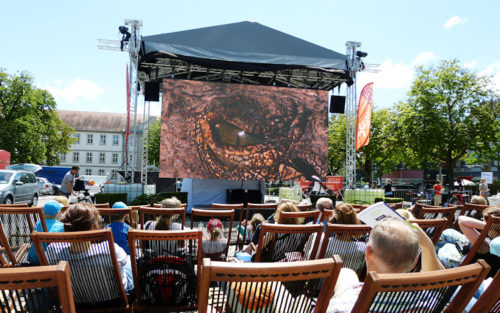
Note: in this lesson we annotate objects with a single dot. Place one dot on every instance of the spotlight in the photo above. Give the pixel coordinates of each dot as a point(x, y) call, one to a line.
point(123, 30)
point(361, 54)
point(125, 36)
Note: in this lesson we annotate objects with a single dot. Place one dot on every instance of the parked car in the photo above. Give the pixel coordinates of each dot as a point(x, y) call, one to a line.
point(46, 187)
point(24, 167)
point(18, 187)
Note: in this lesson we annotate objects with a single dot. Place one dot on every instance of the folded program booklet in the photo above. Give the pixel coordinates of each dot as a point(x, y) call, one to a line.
point(373, 214)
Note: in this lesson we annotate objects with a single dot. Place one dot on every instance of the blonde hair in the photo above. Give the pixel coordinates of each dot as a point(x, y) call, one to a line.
point(287, 207)
point(164, 222)
point(216, 233)
point(406, 214)
point(256, 220)
point(171, 203)
point(62, 200)
point(478, 200)
point(347, 215)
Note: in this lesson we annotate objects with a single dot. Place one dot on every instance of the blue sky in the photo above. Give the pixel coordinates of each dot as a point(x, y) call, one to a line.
point(57, 40)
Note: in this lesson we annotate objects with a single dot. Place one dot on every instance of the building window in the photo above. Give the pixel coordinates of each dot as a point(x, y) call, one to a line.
point(62, 157)
point(113, 174)
point(89, 157)
point(90, 139)
point(115, 140)
point(76, 157)
point(102, 157)
point(77, 137)
point(88, 171)
point(101, 172)
point(115, 158)
point(102, 140)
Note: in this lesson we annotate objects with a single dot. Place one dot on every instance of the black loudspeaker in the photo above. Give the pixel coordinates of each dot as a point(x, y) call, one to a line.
point(152, 91)
point(337, 104)
point(254, 196)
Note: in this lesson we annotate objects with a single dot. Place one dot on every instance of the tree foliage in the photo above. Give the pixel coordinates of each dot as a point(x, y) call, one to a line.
point(154, 142)
point(29, 126)
point(450, 111)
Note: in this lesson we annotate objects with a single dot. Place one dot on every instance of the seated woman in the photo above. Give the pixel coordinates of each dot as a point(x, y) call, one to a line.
point(166, 222)
point(454, 246)
point(214, 244)
point(83, 217)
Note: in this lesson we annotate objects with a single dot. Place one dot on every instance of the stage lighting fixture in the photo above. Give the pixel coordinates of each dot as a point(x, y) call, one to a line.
point(123, 29)
point(361, 54)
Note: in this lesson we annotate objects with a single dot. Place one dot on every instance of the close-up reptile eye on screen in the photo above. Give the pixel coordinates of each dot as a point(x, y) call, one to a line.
point(218, 130)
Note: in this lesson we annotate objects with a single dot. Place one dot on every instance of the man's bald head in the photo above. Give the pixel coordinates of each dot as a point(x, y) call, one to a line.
point(324, 203)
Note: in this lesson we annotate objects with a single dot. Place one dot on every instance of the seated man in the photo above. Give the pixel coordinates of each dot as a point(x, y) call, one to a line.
point(323, 204)
point(392, 248)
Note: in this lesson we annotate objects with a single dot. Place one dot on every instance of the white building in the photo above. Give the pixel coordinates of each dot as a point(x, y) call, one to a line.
point(100, 142)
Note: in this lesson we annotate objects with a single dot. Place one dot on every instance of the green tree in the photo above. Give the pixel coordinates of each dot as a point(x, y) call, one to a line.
point(29, 126)
point(336, 144)
point(154, 142)
point(449, 112)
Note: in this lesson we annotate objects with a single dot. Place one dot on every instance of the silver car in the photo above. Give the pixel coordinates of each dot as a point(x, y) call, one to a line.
point(46, 187)
point(18, 187)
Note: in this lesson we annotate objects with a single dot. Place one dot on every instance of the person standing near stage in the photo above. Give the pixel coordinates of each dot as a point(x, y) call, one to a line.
point(483, 188)
point(438, 191)
point(69, 181)
point(388, 188)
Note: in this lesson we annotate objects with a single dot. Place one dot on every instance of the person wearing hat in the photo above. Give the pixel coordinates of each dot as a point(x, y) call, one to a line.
point(119, 228)
point(51, 212)
point(214, 244)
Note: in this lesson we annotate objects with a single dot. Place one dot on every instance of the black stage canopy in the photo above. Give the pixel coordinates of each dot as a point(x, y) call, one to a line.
point(245, 52)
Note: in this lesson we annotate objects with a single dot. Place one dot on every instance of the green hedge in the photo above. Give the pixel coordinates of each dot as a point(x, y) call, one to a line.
point(314, 199)
point(110, 198)
point(389, 200)
point(157, 198)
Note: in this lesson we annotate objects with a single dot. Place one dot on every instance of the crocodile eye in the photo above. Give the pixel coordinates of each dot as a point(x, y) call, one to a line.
point(227, 134)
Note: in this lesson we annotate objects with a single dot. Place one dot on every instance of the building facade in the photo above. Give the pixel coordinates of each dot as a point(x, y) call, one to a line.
point(100, 143)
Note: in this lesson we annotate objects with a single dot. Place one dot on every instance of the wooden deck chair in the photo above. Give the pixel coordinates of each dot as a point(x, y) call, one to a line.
point(481, 248)
point(109, 214)
point(432, 227)
point(469, 209)
point(305, 286)
point(102, 205)
point(40, 289)
point(201, 217)
point(347, 241)
point(14, 205)
point(307, 216)
point(278, 242)
point(95, 271)
point(159, 205)
point(239, 215)
point(305, 207)
point(424, 292)
point(150, 214)
point(165, 265)
point(18, 224)
point(6, 256)
point(490, 299)
point(438, 212)
point(397, 205)
point(266, 209)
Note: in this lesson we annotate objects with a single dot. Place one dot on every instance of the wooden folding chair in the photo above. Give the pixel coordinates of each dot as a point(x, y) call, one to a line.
point(307, 216)
point(166, 267)
point(148, 213)
point(305, 286)
point(278, 242)
point(239, 215)
point(102, 205)
point(481, 247)
point(95, 272)
point(469, 209)
point(6, 256)
point(420, 292)
point(266, 209)
point(347, 241)
point(305, 207)
point(432, 227)
point(39, 289)
point(490, 299)
point(159, 205)
point(438, 212)
point(109, 214)
point(18, 223)
point(201, 217)
point(14, 205)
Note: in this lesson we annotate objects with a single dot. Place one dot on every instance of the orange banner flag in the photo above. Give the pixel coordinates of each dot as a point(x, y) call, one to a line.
point(364, 121)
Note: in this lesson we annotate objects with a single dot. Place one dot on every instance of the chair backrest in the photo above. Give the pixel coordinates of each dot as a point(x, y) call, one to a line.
point(18, 223)
point(308, 216)
point(358, 207)
point(482, 244)
point(490, 299)
point(108, 214)
point(266, 209)
point(201, 217)
point(277, 242)
point(94, 262)
point(34, 289)
point(305, 207)
point(6, 256)
point(469, 209)
point(14, 205)
point(165, 266)
point(159, 205)
point(305, 286)
point(432, 227)
point(102, 205)
point(397, 205)
point(148, 214)
point(239, 215)
point(421, 292)
point(347, 241)
point(438, 212)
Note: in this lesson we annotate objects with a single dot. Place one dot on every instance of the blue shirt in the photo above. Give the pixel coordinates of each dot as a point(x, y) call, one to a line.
point(120, 234)
point(53, 226)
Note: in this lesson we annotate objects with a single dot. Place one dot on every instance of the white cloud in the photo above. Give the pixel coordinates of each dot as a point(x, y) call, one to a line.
point(390, 76)
point(455, 20)
point(493, 71)
point(423, 58)
point(78, 88)
point(470, 65)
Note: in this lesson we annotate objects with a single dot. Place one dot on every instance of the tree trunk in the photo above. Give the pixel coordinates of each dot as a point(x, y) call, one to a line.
point(451, 173)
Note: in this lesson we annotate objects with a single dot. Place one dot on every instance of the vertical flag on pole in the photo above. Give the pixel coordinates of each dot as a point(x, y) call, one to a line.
point(127, 131)
point(364, 117)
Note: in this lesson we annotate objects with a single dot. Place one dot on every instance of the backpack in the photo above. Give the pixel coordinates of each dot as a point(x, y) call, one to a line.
point(167, 280)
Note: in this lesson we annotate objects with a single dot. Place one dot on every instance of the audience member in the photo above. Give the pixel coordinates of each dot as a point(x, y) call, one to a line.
point(406, 214)
point(438, 191)
point(256, 220)
point(483, 188)
point(478, 200)
point(214, 243)
point(119, 227)
point(51, 212)
point(323, 204)
point(166, 222)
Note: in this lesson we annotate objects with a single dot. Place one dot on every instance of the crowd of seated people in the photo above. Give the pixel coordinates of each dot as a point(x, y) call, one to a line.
point(392, 246)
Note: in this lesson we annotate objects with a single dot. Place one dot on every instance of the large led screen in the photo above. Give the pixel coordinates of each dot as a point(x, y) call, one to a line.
point(234, 131)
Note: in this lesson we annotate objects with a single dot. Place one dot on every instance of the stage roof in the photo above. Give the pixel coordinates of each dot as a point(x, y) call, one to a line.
point(245, 52)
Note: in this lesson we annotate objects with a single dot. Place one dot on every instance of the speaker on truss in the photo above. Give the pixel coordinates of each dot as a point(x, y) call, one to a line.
point(152, 91)
point(337, 104)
